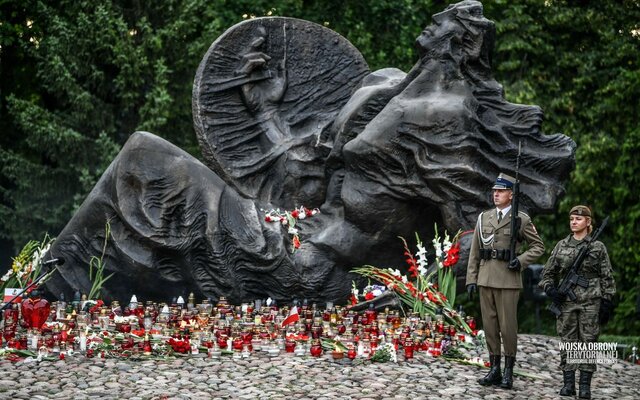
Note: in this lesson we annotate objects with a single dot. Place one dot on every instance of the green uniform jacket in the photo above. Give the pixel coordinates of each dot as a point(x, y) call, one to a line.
point(494, 273)
point(596, 267)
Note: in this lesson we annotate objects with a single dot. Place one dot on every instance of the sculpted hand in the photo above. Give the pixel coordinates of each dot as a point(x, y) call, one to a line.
point(514, 265)
point(472, 288)
point(262, 95)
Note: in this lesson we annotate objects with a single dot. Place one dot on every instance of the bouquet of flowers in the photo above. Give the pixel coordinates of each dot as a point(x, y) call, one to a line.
point(27, 265)
point(370, 292)
point(289, 219)
point(419, 291)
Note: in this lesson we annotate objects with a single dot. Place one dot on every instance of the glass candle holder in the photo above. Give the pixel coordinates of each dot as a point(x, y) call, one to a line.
point(408, 349)
point(289, 346)
point(316, 349)
point(351, 352)
point(471, 321)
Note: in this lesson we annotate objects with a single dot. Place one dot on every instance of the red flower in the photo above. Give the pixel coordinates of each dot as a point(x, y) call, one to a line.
point(452, 256)
point(296, 242)
point(431, 297)
point(179, 346)
point(369, 296)
point(295, 214)
point(308, 212)
point(268, 218)
point(354, 299)
point(411, 288)
point(97, 307)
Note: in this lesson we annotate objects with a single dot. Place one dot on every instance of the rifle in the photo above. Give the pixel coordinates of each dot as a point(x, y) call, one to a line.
point(515, 205)
point(574, 279)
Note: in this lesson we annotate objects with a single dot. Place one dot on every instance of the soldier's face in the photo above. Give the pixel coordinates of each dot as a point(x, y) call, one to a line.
point(578, 223)
point(502, 197)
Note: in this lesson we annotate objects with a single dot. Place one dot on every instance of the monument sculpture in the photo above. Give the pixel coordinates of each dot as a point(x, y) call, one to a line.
point(287, 114)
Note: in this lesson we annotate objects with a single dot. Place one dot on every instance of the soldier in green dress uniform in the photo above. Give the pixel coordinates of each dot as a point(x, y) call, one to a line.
point(580, 319)
point(498, 277)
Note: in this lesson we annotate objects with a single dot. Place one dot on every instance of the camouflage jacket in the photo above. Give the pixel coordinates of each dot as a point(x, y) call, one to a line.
point(596, 267)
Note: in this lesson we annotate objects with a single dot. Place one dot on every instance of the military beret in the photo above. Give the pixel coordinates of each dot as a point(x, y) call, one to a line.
point(504, 181)
point(581, 210)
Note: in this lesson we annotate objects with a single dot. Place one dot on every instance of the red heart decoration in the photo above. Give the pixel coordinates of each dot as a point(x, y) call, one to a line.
point(35, 312)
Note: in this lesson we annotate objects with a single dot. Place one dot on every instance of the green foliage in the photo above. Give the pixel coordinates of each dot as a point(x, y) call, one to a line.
point(78, 77)
point(579, 61)
point(96, 268)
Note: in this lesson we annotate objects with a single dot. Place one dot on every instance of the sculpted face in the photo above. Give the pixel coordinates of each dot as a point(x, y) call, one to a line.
point(435, 33)
point(452, 25)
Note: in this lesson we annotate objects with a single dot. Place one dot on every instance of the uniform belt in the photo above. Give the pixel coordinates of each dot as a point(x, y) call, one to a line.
point(497, 254)
point(589, 275)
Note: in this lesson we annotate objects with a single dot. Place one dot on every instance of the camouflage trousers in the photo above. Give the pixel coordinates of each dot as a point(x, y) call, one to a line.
point(578, 322)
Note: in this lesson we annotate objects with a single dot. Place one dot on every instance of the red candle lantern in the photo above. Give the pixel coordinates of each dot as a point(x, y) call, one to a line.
point(35, 311)
point(11, 315)
point(471, 322)
point(408, 349)
point(351, 352)
point(289, 345)
point(452, 331)
point(316, 349)
point(370, 314)
point(237, 343)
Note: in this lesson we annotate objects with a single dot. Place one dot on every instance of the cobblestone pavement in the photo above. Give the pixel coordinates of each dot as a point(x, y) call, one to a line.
point(290, 377)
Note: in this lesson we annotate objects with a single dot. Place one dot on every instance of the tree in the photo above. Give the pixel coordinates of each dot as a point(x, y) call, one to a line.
point(78, 77)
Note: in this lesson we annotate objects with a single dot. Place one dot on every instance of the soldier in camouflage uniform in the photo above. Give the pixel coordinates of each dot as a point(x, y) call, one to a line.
point(580, 320)
point(498, 277)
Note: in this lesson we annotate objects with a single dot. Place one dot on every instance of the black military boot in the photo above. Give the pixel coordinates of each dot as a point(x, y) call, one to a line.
point(507, 378)
point(585, 384)
point(569, 388)
point(493, 377)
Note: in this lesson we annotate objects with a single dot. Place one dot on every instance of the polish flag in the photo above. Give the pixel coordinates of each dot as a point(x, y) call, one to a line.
point(292, 317)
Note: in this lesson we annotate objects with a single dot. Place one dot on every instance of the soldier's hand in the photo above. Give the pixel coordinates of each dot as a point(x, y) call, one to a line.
point(472, 288)
point(554, 294)
point(514, 265)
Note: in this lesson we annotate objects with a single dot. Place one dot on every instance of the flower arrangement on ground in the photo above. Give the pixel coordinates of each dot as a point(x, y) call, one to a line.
point(425, 292)
point(27, 265)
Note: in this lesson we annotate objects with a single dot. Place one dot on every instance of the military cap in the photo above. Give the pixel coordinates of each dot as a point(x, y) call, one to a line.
point(581, 210)
point(504, 181)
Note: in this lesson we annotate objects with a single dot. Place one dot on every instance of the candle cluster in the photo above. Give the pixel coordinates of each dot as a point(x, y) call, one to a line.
point(149, 329)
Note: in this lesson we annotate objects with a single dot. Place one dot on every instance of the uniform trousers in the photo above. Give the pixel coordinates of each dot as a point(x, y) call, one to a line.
point(499, 309)
point(578, 322)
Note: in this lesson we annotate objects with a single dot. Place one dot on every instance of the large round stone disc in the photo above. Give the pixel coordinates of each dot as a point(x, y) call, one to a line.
point(274, 153)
